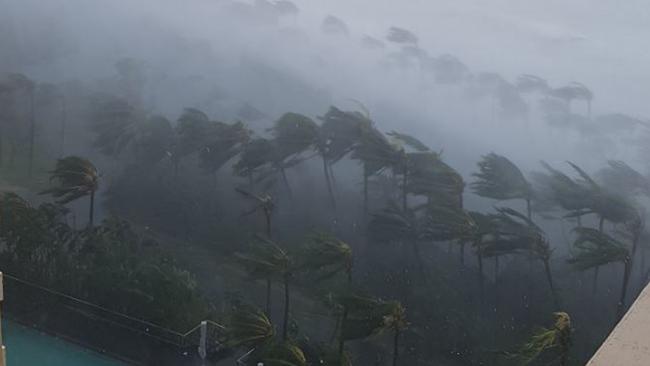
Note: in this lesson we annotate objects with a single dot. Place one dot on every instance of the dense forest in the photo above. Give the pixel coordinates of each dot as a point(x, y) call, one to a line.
point(324, 238)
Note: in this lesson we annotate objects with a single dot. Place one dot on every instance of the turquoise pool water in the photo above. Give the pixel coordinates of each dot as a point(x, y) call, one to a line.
point(27, 347)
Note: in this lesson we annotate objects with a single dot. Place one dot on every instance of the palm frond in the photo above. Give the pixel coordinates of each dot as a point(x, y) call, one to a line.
point(500, 179)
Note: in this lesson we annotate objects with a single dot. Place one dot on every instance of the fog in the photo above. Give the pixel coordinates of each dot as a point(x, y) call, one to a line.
point(465, 77)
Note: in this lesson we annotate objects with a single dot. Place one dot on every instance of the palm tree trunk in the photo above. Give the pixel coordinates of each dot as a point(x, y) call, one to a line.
point(594, 287)
point(365, 194)
point(621, 302)
point(91, 214)
point(395, 347)
point(418, 258)
point(481, 278)
point(32, 133)
point(549, 278)
point(267, 219)
point(285, 180)
point(342, 321)
point(404, 191)
point(268, 297)
point(328, 181)
point(462, 254)
point(285, 322)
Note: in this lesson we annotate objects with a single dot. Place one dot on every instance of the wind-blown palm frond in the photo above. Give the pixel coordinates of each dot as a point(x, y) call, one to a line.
point(294, 133)
point(557, 338)
point(224, 142)
point(409, 141)
point(428, 175)
point(449, 223)
point(375, 151)
point(623, 178)
point(393, 225)
point(340, 133)
point(76, 177)
point(329, 255)
point(594, 249)
point(265, 260)
point(255, 155)
point(500, 179)
point(248, 326)
point(282, 354)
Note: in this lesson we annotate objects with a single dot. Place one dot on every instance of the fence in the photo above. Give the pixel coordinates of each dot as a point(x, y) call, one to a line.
point(118, 335)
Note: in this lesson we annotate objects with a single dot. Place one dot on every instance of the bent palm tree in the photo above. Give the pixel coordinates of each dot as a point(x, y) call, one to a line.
point(268, 260)
point(76, 177)
point(557, 338)
point(499, 178)
point(263, 203)
point(595, 249)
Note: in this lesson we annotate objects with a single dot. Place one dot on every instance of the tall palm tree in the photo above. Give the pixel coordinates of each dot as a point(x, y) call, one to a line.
point(392, 225)
point(594, 249)
point(331, 256)
point(293, 134)
point(499, 178)
point(339, 134)
point(266, 259)
point(263, 203)
point(376, 154)
point(257, 154)
point(556, 339)
point(520, 235)
point(419, 159)
point(368, 316)
point(223, 143)
point(76, 177)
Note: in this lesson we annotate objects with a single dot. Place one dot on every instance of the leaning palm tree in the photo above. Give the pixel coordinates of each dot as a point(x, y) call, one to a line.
point(223, 143)
point(247, 327)
point(376, 154)
point(330, 256)
point(263, 203)
point(594, 249)
point(623, 178)
point(293, 135)
point(369, 316)
point(450, 223)
point(76, 177)
point(499, 178)
point(419, 158)
point(267, 260)
point(556, 339)
point(339, 134)
point(520, 235)
point(393, 225)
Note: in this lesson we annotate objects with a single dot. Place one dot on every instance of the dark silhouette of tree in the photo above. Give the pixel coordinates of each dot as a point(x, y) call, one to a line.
point(594, 249)
point(332, 25)
point(262, 203)
point(574, 91)
point(499, 178)
point(401, 36)
point(76, 177)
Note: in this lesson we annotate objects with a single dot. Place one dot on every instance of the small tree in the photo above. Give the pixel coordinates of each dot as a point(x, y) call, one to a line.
point(76, 177)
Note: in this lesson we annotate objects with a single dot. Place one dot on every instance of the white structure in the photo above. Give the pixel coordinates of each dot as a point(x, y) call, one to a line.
point(629, 342)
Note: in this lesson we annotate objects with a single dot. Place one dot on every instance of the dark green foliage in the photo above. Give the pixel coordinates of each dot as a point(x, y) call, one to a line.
point(594, 248)
point(556, 340)
point(327, 256)
point(294, 133)
point(500, 179)
point(248, 326)
point(340, 133)
point(75, 177)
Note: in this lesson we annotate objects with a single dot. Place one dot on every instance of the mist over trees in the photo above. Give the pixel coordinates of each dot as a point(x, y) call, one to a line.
point(329, 194)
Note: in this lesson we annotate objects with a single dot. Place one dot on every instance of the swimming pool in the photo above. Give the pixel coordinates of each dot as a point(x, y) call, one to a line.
point(28, 347)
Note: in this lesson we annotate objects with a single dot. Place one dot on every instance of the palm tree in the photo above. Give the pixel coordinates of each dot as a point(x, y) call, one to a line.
point(293, 135)
point(257, 154)
point(331, 256)
point(557, 338)
point(420, 159)
point(193, 131)
point(623, 178)
point(498, 178)
point(517, 234)
point(76, 177)
point(393, 225)
point(450, 223)
point(263, 203)
point(368, 316)
point(574, 91)
point(594, 249)
point(268, 260)
point(223, 143)
point(339, 134)
point(376, 154)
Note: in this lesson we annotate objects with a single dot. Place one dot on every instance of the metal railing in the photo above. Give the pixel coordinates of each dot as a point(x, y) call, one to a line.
point(105, 330)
